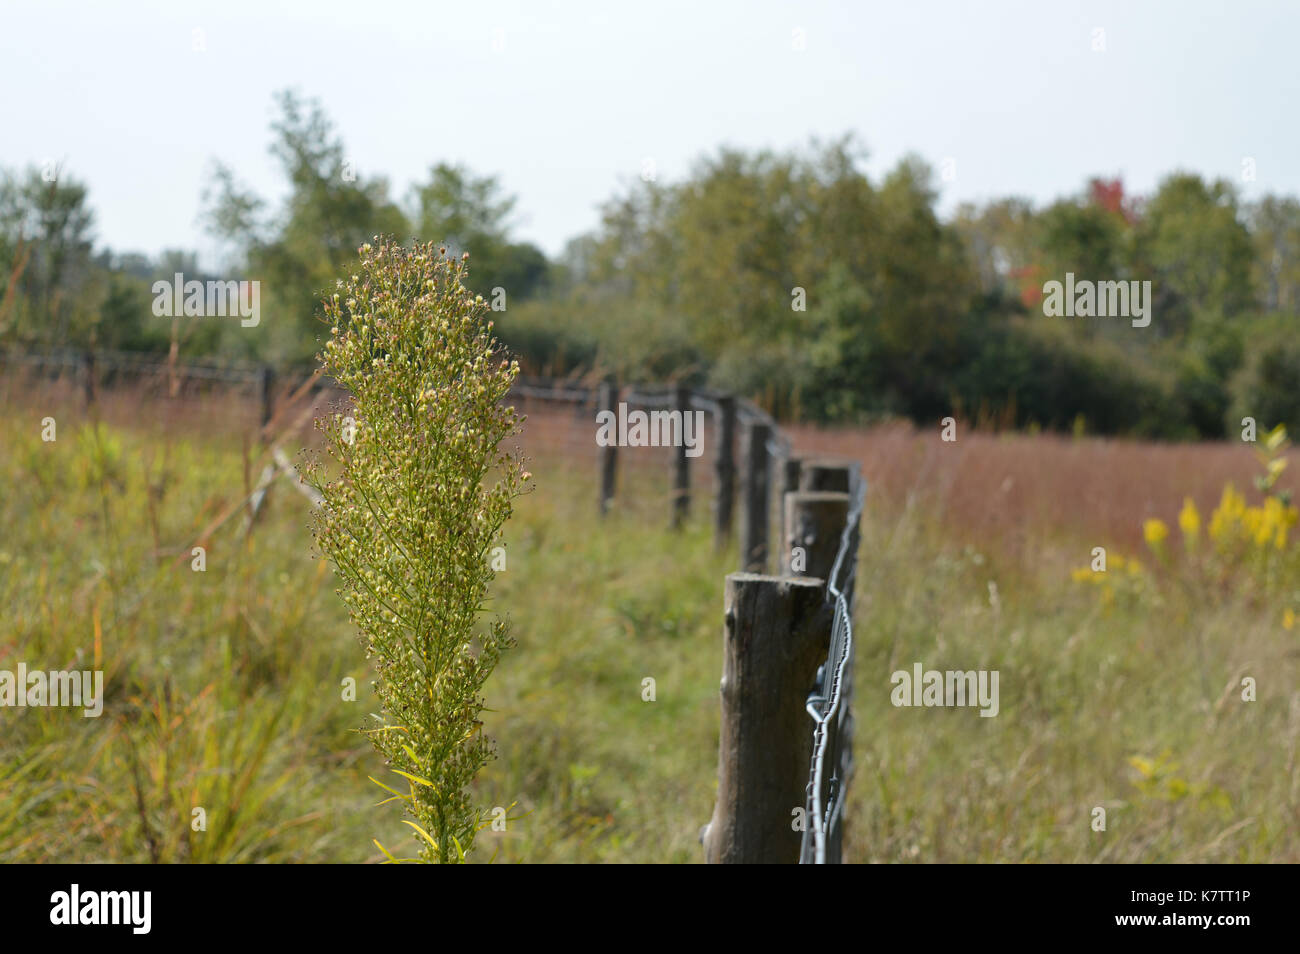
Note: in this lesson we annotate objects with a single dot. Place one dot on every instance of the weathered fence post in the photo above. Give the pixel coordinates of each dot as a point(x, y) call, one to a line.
point(790, 467)
point(607, 400)
point(266, 393)
point(725, 463)
point(827, 473)
point(814, 522)
point(755, 502)
point(774, 638)
point(681, 463)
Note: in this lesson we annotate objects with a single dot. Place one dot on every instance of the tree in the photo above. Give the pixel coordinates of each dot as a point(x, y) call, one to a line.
point(787, 274)
point(471, 214)
point(296, 253)
point(1275, 229)
point(1194, 247)
point(1001, 243)
point(46, 227)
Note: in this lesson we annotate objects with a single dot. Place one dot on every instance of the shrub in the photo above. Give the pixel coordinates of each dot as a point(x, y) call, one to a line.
point(1266, 390)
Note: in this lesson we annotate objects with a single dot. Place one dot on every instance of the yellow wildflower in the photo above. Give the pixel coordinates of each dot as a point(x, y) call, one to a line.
point(1232, 506)
point(1155, 532)
point(1275, 526)
point(1189, 522)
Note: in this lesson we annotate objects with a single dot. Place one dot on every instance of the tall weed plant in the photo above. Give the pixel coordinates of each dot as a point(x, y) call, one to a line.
point(414, 504)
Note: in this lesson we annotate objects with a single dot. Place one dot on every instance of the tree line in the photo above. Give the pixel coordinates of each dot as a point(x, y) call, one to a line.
point(791, 277)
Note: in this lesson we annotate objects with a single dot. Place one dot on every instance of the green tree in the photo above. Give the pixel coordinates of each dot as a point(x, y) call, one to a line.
point(1001, 241)
point(1275, 228)
point(47, 225)
point(472, 214)
point(1194, 247)
point(296, 252)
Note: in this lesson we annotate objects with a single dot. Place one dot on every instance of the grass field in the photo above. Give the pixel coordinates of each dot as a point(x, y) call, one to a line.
point(224, 686)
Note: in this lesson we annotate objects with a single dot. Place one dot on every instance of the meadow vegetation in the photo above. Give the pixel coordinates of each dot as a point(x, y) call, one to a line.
point(224, 686)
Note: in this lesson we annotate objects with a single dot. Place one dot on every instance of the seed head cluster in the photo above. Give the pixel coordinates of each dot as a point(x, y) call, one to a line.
point(414, 501)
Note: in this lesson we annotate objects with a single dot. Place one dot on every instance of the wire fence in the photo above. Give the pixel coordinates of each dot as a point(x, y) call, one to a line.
point(829, 703)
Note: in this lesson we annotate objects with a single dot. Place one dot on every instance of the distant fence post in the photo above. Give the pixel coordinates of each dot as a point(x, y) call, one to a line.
point(266, 393)
point(826, 473)
point(814, 521)
point(773, 641)
point(790, 467)
point(725, 463)
point(681, 463)
point(607, 400)
point(755, 499)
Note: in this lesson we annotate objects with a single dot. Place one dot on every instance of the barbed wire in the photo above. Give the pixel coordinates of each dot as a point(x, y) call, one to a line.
point(702, 403)
point(138, 362)
point(578, 395)
point(826, 701)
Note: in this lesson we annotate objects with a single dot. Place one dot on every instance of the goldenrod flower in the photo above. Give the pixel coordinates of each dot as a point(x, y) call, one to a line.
point(1155, 532)
point(1229, 513)
point(1189, 522)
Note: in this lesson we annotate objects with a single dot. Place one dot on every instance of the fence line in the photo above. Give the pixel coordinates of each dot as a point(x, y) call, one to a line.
point(232, 372)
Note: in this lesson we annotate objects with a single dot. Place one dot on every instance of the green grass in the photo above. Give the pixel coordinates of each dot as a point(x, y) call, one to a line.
point(224, 687)
point(1085, 688)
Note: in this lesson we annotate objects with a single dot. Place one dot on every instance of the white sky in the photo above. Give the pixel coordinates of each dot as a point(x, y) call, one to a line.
point(582, 93)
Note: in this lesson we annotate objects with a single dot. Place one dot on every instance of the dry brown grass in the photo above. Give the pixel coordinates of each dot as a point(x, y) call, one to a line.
point(1013, 491)
point(1003, 491)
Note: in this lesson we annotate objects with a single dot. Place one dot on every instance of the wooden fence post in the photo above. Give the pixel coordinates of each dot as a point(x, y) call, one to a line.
point(607, 400)
point(681, 463)
point(790, 468)
point(755, 499)
point(775, 637)
point(725, 463)
point(827, 473)
point(266, 392)
point(814, 522)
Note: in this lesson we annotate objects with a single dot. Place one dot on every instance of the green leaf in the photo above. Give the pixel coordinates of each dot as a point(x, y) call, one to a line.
point(427, 837)
point(384, 850)
point(387, 789)
point(416, 779)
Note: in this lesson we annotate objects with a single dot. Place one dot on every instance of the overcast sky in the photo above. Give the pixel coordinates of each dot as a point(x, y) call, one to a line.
point(564, 102)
